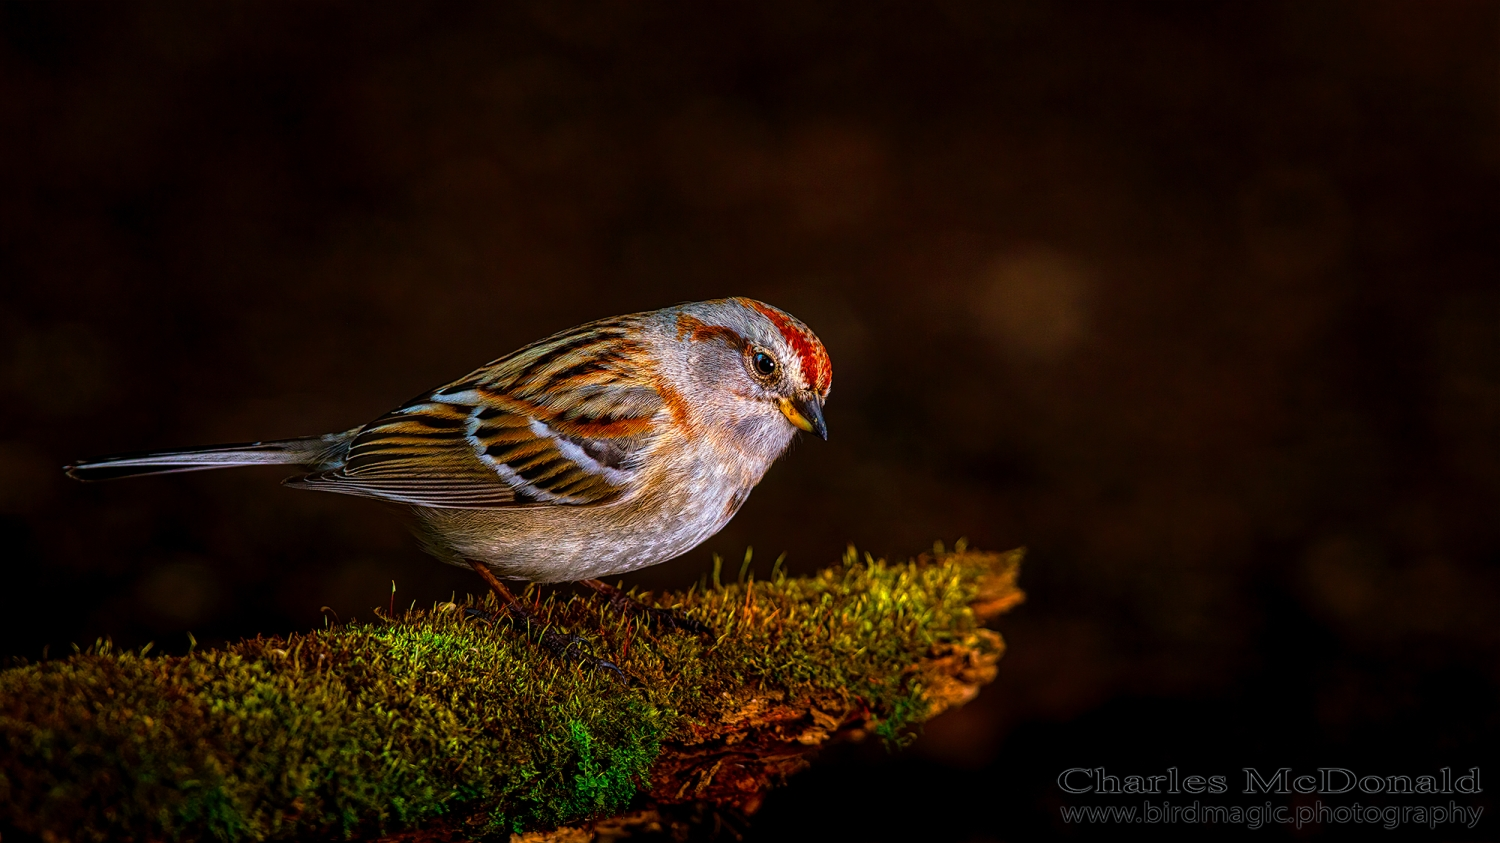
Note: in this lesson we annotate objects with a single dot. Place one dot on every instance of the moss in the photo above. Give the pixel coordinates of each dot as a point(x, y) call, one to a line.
point(436, 717)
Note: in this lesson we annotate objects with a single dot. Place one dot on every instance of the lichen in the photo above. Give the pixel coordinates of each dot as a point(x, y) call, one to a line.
point(435, 716)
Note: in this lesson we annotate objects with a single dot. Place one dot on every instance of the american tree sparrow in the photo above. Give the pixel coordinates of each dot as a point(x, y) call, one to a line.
point(602, 449)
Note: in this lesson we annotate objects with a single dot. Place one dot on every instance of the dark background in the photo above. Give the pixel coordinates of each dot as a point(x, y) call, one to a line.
point(1197, 301)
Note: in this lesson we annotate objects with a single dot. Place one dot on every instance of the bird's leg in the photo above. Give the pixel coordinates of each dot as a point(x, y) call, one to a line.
point(627, 605)
point(559, 645)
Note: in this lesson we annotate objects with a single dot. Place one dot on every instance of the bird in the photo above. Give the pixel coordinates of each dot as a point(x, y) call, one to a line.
point(602, 449)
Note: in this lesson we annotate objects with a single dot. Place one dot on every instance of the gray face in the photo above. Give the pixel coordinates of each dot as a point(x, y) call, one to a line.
point(747, 373)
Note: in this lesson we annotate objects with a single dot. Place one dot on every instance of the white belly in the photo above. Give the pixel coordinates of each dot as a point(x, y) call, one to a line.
point(549, 543)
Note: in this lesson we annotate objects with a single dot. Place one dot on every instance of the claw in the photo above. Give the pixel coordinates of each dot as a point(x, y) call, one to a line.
point(655, 615)
point(558, 644)
point(575, 648)
point(671, 618)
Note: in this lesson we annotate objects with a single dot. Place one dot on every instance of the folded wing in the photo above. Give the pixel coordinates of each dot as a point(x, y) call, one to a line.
point(565, 421)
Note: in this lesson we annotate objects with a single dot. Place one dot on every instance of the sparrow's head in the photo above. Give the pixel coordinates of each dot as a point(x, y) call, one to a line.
point(765, 359)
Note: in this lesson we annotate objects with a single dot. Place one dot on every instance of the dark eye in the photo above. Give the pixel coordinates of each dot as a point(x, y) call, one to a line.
point(764, 363)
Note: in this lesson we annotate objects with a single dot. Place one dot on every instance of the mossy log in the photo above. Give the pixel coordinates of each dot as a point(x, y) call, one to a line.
point(435, 725)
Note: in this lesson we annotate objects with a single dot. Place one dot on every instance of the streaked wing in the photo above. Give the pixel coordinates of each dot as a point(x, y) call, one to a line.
point(562, 421)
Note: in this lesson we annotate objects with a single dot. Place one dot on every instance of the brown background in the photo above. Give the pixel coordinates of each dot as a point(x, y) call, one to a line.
point(1198, 301)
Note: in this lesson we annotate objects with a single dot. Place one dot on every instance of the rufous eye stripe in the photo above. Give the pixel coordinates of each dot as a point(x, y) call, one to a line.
point(817, 369)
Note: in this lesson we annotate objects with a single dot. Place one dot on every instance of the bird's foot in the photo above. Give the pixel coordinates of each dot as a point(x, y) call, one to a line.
point(654, 615)
point(559, 645)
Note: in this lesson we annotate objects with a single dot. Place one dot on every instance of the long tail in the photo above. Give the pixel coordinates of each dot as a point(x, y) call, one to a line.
point(316, 453)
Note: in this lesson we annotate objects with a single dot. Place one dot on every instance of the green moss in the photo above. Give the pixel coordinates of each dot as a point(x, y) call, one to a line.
point(362, 729)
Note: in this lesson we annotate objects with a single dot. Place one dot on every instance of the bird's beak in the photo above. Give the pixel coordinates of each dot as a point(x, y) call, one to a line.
point(806, 412)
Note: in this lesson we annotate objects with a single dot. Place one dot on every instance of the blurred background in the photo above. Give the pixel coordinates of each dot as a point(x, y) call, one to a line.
point(1198, 302)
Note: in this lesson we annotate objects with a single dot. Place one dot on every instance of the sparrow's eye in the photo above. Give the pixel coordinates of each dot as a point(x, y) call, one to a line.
point(764, 364)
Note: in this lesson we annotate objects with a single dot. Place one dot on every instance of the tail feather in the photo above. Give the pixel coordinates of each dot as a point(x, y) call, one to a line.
point(317, 453)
